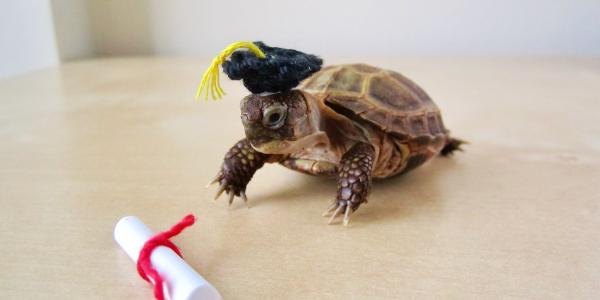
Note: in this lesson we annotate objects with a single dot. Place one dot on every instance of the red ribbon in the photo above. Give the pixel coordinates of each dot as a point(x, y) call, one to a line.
point(144, 266)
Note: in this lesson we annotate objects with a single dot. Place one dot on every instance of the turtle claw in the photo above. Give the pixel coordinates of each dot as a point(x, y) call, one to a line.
point(214, 180)
point(335, 214)
point(330, 209)
point(243, 195)
point(339, 208)
point(347, 215)
point(220, 191)
point(230, 189)
point(231, 195)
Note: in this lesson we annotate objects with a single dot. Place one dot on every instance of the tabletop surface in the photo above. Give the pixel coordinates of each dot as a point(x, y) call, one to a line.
point(514, 216)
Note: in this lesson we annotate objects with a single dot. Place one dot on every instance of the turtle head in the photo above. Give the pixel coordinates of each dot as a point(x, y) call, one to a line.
point(278, 123)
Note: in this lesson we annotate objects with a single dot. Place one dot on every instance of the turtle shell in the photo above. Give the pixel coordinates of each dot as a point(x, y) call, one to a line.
point(387, 99)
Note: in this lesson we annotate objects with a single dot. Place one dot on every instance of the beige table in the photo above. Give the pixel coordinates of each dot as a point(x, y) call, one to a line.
point(516, 216)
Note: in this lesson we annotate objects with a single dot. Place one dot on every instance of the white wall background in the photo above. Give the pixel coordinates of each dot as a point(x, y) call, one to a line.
point(328, 27)
point(26, 36)
point(72, 26)
point(462, 27)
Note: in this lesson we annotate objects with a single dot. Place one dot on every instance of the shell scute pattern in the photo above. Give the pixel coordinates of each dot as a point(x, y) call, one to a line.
point(388, 93)
point(385, 98)
point(347, 81)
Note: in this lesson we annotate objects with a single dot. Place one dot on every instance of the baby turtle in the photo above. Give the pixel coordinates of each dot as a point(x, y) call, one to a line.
point(352, 122)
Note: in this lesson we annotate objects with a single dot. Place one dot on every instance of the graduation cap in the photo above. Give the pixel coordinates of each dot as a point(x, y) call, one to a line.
point(261, 69)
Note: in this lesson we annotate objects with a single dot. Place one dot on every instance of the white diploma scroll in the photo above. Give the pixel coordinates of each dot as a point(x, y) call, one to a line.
point(183, 282)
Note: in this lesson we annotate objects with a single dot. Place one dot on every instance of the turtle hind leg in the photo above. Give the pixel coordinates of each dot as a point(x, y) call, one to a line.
point(452, 145)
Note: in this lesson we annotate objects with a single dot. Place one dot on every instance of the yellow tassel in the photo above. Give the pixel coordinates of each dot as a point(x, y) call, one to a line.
point(210, 79)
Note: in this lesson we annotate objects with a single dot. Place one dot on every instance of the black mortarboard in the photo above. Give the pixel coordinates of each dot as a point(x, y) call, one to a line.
point(262, 69)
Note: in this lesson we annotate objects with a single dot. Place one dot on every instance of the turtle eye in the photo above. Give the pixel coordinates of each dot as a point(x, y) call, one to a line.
point(274, 116)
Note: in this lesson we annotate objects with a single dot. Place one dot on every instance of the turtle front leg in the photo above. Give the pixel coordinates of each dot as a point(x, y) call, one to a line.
point(239, 165)
point(354, 181)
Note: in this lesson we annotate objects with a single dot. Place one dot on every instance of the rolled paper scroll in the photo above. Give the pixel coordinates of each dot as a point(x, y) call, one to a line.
point(181, 281)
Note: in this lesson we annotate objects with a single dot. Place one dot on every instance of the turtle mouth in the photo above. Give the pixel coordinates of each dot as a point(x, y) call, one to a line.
point(272, 147)
point(290, 146)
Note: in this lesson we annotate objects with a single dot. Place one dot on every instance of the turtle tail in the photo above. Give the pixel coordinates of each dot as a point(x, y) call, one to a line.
point(452, 145)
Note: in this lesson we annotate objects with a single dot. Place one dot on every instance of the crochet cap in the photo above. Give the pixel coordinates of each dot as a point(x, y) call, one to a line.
point(261, 69)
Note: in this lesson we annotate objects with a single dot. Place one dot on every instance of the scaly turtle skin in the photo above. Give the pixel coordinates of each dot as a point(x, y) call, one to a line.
point(354, 122)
